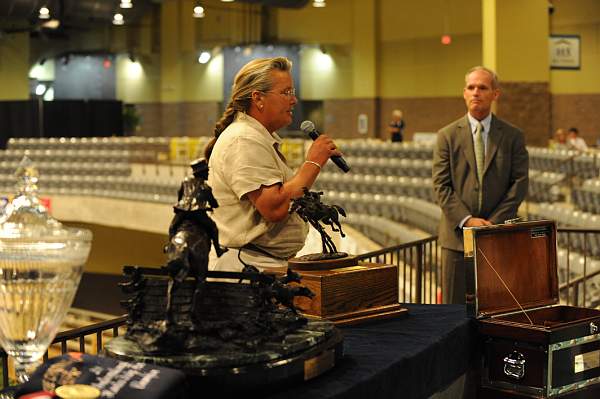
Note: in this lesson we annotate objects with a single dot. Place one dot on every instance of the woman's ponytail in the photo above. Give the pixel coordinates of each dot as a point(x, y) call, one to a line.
point(226, 120)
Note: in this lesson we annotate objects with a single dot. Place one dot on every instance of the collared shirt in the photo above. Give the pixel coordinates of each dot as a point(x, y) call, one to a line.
point(486, 122)
point(243, 159)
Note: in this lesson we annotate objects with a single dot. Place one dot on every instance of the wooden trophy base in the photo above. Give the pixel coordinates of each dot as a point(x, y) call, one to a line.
point(322, 264)
point(350, 294)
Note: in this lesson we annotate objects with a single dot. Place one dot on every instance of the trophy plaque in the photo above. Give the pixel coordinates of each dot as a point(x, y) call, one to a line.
point(346, 291)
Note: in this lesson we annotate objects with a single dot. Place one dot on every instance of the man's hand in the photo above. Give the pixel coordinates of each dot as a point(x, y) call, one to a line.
point(476, 222)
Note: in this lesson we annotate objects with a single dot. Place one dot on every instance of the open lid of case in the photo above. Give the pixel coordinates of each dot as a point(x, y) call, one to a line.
point(510, 267)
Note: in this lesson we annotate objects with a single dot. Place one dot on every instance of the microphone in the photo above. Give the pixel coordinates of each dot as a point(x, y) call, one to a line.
point(309, 128)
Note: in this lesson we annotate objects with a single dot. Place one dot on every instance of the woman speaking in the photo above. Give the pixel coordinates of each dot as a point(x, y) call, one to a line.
point(250, 177)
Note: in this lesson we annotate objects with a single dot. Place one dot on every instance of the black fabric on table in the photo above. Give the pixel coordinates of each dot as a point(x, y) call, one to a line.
point(410, 357)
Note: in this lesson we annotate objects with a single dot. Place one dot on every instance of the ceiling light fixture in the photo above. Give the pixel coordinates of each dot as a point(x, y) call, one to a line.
point(118, 19)
point(227, 1)
point(44, 13)
point(126, 4)
point(40, 89)
point(51, 24)
point(49, 95)
point(198, 11)
point(204, 57)
point(319, 3)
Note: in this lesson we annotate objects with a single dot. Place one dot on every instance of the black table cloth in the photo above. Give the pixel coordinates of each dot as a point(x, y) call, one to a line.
point(410, 357)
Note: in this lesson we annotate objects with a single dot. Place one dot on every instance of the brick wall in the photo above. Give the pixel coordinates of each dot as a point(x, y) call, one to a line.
point(421, 114)
point(341, 117)
point(178, 119)
point(527, 106)
point(577, 110)
point(150, 124)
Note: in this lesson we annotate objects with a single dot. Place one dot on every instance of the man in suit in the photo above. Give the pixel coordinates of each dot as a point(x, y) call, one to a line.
point(480, 174)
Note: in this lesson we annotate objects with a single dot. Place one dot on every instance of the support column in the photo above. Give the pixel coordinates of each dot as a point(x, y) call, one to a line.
point(364, 67)
point(145, 31)
point(187, 27)
point(171, 71)
point(515, 45)
point(14, 66)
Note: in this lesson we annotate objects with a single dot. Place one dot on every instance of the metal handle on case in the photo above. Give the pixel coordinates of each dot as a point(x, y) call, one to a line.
point(513, 221)
point(514, 365)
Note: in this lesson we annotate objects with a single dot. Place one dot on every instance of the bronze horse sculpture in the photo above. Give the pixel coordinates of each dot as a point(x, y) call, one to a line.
point(310, 208)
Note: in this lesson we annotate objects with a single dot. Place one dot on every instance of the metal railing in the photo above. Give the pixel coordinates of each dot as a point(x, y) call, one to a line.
point(578, 285)
point(419, 269)
point(77, 334)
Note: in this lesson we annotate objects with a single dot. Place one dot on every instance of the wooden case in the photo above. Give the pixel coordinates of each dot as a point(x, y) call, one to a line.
point(531, 348)
point(349, 295)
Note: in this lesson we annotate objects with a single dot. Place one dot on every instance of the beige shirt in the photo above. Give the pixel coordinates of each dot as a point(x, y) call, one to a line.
point(244, 159)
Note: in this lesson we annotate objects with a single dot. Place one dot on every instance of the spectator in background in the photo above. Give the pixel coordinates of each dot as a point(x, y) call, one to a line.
point(396, 127)
point(560, 139)
point(574, 141)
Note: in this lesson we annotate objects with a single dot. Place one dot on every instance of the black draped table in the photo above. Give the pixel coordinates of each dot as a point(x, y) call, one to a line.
point(411, 357)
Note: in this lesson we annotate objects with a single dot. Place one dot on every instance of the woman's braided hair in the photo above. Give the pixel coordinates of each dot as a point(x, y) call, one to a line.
point(254, 76)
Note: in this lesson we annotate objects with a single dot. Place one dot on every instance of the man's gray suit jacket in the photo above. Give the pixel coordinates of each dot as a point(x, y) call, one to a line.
point(505, 178)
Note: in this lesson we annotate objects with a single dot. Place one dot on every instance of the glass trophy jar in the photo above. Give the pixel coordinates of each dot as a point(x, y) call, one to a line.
point(41, 263)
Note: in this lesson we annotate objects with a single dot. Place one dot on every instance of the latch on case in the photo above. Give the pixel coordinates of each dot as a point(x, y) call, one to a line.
point(514, 365)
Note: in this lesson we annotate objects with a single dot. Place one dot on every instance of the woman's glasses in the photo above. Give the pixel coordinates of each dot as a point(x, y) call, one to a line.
point(287, 92)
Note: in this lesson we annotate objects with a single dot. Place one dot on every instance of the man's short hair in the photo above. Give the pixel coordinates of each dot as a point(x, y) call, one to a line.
point(495, 80)
point(574, 130)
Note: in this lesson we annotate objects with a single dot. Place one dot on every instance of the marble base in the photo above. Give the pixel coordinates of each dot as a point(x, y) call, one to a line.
point(302, 355)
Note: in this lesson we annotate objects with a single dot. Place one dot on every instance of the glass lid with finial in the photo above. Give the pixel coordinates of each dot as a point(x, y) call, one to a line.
point(26, 217)
point(41, 263)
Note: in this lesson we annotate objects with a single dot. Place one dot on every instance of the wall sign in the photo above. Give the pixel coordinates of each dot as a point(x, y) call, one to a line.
point(565, 52)
point(363, 124)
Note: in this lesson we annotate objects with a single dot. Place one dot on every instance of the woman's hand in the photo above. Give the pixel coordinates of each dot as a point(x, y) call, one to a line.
point(273, 202)
point(322, 149)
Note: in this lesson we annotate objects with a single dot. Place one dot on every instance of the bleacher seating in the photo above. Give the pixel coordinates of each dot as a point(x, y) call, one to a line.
point(414, 212)
point(388, 194)
point(545, 186)
point(587, 196)
point(382, 230)
point(102, 166)
point(140, 149)
point(570, 162)
point(383, 149)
